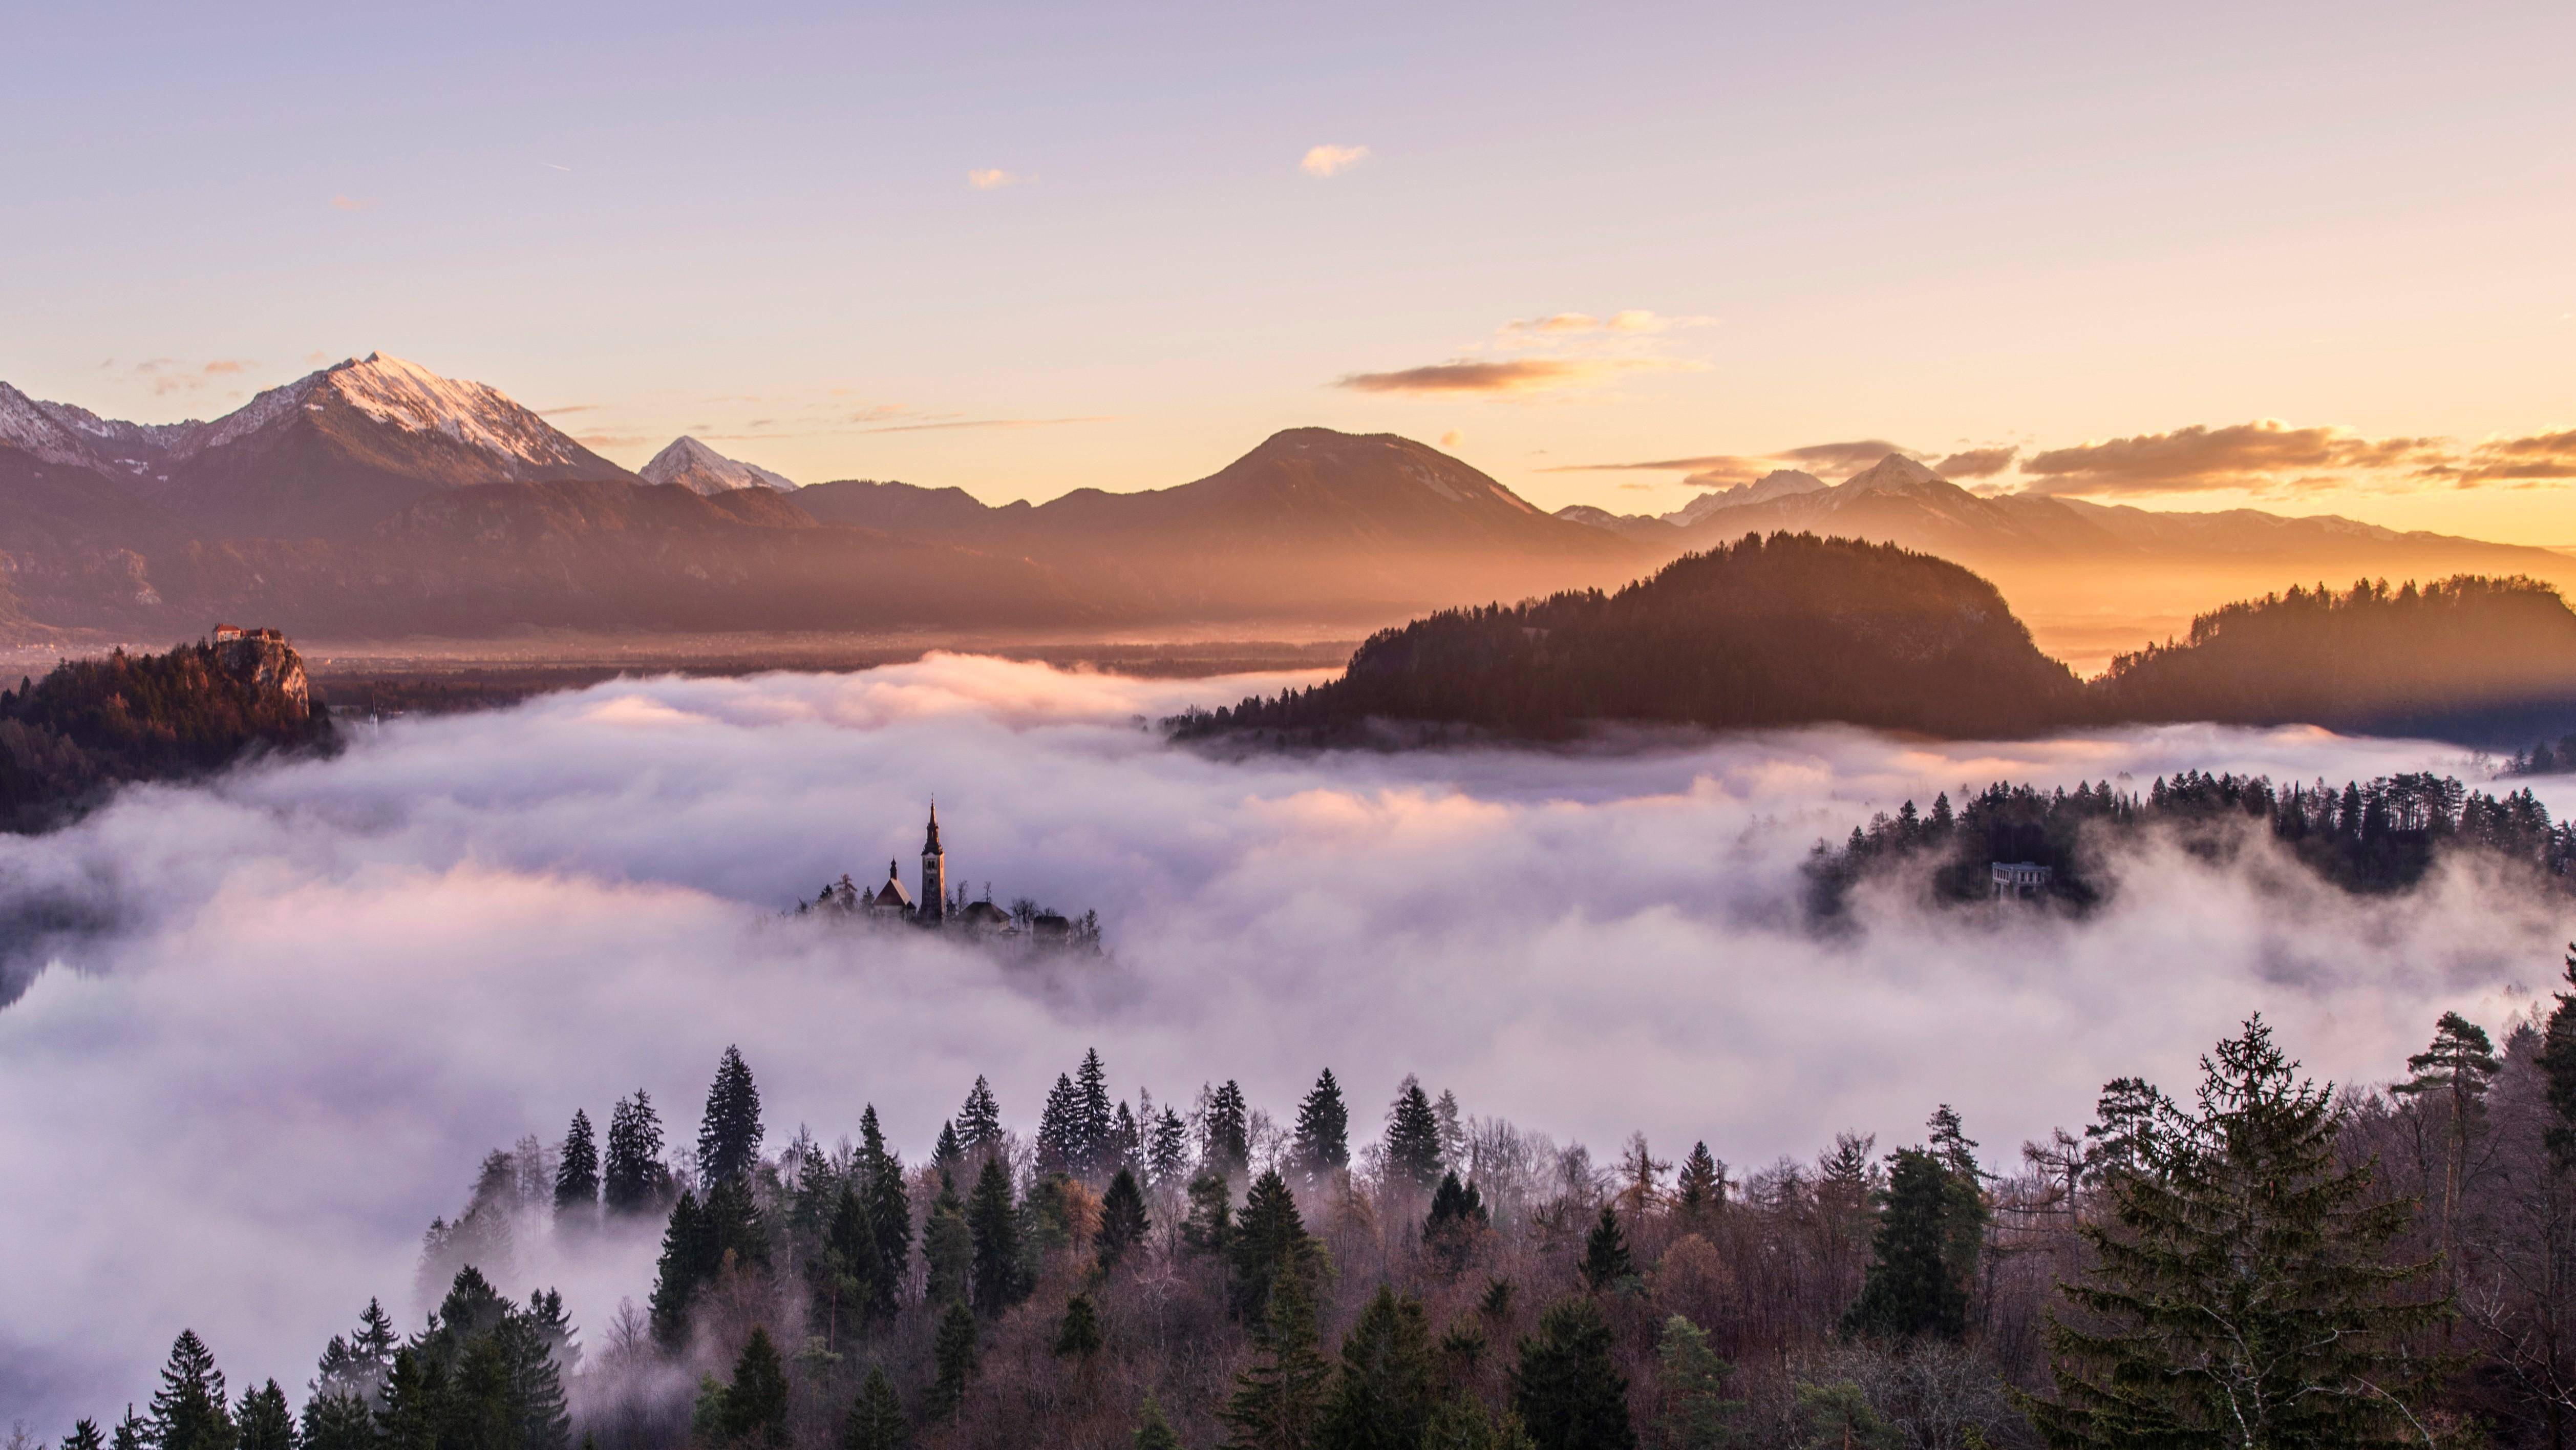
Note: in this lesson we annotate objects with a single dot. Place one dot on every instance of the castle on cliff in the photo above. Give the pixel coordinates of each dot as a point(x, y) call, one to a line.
point(941, 907)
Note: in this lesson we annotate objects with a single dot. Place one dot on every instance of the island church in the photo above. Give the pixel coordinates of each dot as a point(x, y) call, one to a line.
point(938, 906)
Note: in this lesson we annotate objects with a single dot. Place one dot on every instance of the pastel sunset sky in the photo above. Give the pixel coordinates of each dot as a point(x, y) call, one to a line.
point(2318, 258)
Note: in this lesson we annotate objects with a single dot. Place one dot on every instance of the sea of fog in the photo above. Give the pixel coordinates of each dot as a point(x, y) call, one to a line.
point(265, 1030)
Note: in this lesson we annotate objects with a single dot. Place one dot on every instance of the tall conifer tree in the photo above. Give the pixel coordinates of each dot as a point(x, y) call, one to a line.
point(876, 1419)
point(577, 1171)
point(1413, 1138)
point(2246, 1289)
point(1567, 1387)
point(979, 1122)
point(729, 1135)
point(632, 1179)
point(1382, 1398)
point(1123, 1223)
point(188, 1411)
point(1323, 1141)
point(994, 1220)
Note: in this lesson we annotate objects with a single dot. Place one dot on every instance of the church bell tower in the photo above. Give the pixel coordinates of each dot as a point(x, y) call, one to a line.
point(934, 874)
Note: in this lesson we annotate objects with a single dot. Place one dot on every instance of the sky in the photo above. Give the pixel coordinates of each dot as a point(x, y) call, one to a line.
point(281, 1017)
point(2307, 257)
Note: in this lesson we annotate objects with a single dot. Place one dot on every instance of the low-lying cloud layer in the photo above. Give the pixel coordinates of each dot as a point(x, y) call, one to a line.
point(286, 1017)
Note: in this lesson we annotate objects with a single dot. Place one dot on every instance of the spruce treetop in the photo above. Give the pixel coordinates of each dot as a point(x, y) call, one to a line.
point(729, 1136)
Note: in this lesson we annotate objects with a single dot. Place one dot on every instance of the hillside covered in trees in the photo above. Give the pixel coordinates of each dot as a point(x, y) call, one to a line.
point(90, 725)
point(1797, 630)
point(2379, 836)
point(2266, 1261)
point(1787, 630)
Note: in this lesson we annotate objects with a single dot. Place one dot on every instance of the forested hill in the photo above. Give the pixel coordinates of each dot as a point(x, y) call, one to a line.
point(1788, 630)
point(2482, 661)
point(89, 725)
point(1798, 630)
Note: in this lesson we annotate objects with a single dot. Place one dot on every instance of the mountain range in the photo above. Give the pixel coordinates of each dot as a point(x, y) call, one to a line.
point(375, 499)
point(2086, 576)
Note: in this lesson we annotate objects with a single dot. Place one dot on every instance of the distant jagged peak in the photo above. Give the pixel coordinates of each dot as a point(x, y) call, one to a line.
point(1778, 483)
point(1894, 473)
point(694, 466)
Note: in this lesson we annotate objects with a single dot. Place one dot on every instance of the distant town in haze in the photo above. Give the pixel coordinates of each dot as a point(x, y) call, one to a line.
point(1119, 728)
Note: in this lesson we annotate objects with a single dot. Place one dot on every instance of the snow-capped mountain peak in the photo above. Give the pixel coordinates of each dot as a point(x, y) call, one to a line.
point(1778, 483)
point(694, 466)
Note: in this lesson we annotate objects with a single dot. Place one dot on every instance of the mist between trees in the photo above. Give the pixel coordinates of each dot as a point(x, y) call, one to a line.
point(2259, 1260)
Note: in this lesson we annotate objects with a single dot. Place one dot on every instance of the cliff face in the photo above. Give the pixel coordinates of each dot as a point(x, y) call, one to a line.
point(68, 740)
point(271, 670)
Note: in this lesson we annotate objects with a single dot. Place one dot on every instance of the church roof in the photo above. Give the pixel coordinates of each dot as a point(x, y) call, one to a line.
point(982, 911)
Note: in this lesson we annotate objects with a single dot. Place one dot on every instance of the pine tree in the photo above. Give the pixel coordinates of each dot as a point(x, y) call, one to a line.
point(132, 1433)
point(729, 1135)
point(948, 1152)
point(2455, 1071)
point(955, 1353)
point(84, 1436)
point(336, 1422)
point(1276, 1400)
point(876, 1419)
point(1323, 1141)
point(1964, 1218)
point(1123, 1224)
point(376, 1339)
point(1154, 1429)
point(841, 1278)
point(577, 1172)
point(948, 1249)
point(1225, 1132)
point(2558, 1068)
point(1209, 1228)
point(1412, 1138)
point(1078, 1334)
point(1058, 1129)
point(979, 1122)
point(755, 1404)
point(414, 1398)
point(889, 1205)
point(994, 1220)
point(2244, 1291)
point(1910, 1288)
point(1697, 1413)
point(1167, 1149)
point(1270, 1244)
point(686, 1242)
point(1463, 1422)
point(265, 1419)
point(1567, 1388)
point(1449, 1232)
point(1094, 1120)
point(1700, 1191)
point(1382, 1398)
point(188, 1411)
point(632, 1179)
point(1606, 1263)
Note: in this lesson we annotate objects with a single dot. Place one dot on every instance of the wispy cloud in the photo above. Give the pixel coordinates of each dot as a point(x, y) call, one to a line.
point(1726, 470)
point(992, 178)
point(1509, 376)
point(1332, 160)
point(346, 202)
point(169, 375)
point(1633, 321)
point(1976, 462)
point(2266, 455)
point(2538, 458)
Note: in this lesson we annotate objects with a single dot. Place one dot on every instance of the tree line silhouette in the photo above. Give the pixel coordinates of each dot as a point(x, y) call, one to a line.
point(1795, 630)
point(2264, 1262)
point(2369, 837)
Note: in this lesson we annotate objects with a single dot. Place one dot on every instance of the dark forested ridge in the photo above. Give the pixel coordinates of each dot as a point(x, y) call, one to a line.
point(1797, 630)
point(91, 724)
point(1788, 630)
point(2483, 661)
point(2364, 1268)
point(2368, 837)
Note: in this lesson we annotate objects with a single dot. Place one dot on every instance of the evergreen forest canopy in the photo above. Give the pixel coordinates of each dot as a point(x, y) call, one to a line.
point(2266, 1262)
point(92, 724)
point(1796, 630)
point(2367, 838)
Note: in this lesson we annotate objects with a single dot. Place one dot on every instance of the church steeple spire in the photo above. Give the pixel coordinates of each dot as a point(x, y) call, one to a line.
point(934, 873)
